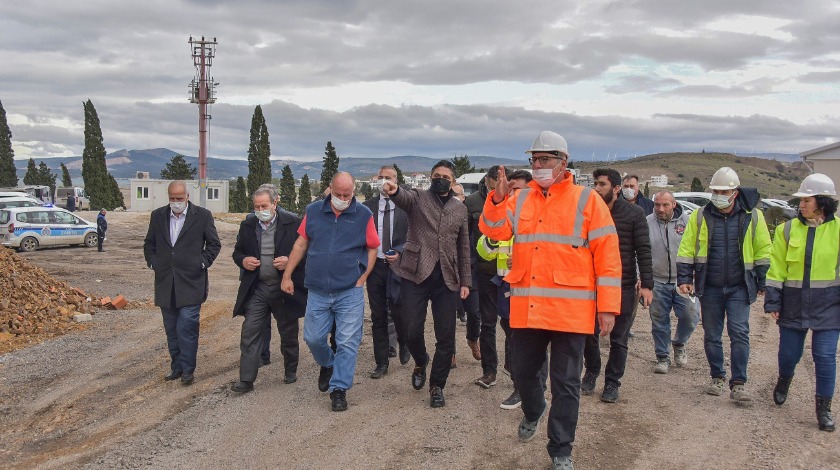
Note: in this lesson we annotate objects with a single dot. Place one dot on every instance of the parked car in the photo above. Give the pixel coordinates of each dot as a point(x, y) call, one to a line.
point(19, 201)
point(789, 211)
point(82, 199)
point(688, 207)
point(696, 198)
point(28, 228)
point(470, 182)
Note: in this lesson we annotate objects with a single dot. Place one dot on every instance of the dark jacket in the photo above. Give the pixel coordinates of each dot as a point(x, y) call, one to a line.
point(475, 206)
point(101, 225)
point(71, 203)
point(248, 244)
point(645, 203)
point(399, 221)
point(436, 233)
point(633, 243)
point(181, 269)
point(724, 255)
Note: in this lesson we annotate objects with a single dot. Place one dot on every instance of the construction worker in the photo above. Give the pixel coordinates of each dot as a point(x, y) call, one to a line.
point(803, 294)
point(563, 277)
point(723, 259)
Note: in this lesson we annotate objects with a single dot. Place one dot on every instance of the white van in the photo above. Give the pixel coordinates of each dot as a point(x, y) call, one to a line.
point(82, 199)
point(470, 182)
point(28, 228)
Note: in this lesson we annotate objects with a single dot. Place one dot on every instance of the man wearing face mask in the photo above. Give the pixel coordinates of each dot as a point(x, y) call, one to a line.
point(723, 258)
point(180, 246)
point(435, 265)
point(630, 192)
point(564, 277)
point(339, 239)
point(634, 245)
point(262, 248)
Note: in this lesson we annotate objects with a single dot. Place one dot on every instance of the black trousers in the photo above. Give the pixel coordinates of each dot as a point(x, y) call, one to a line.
point(619, 337)
point(508, 364)
point(264, 301)
point(472, 307)
point(382, 307)
point(488, 306)
point(100, 236)
point(415, 300)
point(528, 347)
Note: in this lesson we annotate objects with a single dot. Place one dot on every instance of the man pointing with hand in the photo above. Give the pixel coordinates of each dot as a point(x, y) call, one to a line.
point(564, 275)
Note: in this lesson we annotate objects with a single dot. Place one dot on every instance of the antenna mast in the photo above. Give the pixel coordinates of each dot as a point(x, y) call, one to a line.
point(202, 90)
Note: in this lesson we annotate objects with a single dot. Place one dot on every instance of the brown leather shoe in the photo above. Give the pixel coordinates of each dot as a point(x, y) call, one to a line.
point(487, 380)
point(476, 351)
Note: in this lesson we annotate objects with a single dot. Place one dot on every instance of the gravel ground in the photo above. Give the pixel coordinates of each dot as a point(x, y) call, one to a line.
point(96, 399)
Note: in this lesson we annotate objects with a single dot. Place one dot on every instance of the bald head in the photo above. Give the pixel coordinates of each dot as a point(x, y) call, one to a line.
point(342, 188)
point(177, 191)
point(664, 204)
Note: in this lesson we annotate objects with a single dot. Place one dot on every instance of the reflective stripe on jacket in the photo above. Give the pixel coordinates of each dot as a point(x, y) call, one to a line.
point(803, 283)
point(565, 254)
point(500, 251)
point(694, 248)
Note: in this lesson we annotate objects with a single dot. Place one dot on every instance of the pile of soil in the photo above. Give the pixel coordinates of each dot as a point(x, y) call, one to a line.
point(34, 306)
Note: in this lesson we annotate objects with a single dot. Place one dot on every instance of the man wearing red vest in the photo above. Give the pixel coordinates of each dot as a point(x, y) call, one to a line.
point(564, 277)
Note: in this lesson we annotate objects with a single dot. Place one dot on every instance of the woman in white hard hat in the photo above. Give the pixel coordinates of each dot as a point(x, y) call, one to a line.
point(803, 294)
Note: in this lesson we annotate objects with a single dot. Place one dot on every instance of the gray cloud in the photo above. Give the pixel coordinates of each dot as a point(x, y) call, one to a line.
point(820, 77)
point(641, 84)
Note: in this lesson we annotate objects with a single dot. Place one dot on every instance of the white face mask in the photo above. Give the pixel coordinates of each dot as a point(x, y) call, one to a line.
point(544, 177)
point(721, 201)
point(339, 204)
point(178, 207)
point(629, 193)
point(265, 215)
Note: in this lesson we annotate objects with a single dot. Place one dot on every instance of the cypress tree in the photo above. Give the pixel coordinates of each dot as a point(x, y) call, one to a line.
point(32, 175)
point(646, 192)
point(237, 199)
point(66, 180)
point(400, 177)
point(696, 185)
point(46, 177)
point(304, 195)
point(288, 198)
point(8, 172)
point(116, 195)
point(330, 166)
point(259, 151)
point(97, 180)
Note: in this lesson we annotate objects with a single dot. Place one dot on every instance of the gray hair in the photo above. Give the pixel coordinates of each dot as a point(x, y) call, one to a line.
point(268, 189)
point(180, 183)
point(664, 191)
point(342, 173)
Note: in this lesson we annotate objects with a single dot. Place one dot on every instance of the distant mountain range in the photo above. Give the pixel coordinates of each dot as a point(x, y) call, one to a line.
point(125, 164)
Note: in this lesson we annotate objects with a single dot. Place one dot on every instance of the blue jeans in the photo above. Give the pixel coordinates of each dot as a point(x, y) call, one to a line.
point(665, 298)
point(345, 309)
point(823, 349)
point(181, 326)
point(732, 304)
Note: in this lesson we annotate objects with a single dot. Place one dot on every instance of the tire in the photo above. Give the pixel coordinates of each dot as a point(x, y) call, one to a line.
point(91, 239)
point(29, 244)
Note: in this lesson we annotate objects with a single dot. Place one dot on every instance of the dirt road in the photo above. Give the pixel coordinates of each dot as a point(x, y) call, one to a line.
point(96, 398)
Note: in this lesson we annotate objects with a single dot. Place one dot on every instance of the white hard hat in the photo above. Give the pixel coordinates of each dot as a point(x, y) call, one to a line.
point(549, 141)
point(817, 184)
point(724, 179)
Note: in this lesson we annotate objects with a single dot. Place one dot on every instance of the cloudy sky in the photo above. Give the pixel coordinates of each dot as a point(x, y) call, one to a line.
point(433, 78)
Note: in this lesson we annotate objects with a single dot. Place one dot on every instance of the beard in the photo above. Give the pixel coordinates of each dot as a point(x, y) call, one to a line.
point(609, 197)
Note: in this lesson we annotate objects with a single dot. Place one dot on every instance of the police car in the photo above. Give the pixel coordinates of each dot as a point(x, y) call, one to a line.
point(27, 228)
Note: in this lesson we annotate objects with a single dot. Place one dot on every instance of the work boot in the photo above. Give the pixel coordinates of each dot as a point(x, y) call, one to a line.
point(824, 418)
point(587, 384)
point(662, 365)
point(610, 393)
point(740, 394)
point(476, 350)
point(562, 463)
point(528, 429)
point(512, 402)
point(487, 380)
point(717, 387)
point(780, 392)
point(680, 356)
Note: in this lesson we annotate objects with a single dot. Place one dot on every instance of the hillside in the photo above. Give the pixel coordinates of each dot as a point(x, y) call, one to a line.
point(773, 178)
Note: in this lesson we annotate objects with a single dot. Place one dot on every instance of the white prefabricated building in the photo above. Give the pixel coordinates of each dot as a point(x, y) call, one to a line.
point(148, 194)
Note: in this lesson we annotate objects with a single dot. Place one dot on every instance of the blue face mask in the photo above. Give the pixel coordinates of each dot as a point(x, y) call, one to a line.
point(264, 216)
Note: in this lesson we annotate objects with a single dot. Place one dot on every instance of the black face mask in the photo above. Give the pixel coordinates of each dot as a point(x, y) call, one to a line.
point(440, 185)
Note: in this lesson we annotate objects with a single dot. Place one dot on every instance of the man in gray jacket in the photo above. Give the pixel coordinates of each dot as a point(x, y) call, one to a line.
point(666, 225)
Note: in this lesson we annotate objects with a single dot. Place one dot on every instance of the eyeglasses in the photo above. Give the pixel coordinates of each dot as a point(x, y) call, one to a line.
point(543, 159)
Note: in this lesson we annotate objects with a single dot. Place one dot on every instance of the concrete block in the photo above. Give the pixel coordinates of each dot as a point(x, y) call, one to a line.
point(82, 317)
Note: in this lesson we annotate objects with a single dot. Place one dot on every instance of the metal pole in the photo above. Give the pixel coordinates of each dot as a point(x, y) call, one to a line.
point(202, 128)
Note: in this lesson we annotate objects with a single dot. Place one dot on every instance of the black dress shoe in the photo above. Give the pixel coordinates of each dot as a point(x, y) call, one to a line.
point(405, 355)
point(265, 362)
point(187, 379)
point(242, 387)
point(324, 378)
point(173, 375)
point(392, 351)
point(290, 378)
point(379, 372)
point(436, 398)
point(418, 377)
point(339, 399)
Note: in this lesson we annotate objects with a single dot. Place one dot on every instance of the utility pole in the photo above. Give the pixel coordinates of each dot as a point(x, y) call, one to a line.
point(202, 91)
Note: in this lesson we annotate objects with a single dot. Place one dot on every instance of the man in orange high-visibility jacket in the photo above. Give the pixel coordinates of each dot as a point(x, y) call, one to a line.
point(566, 272)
